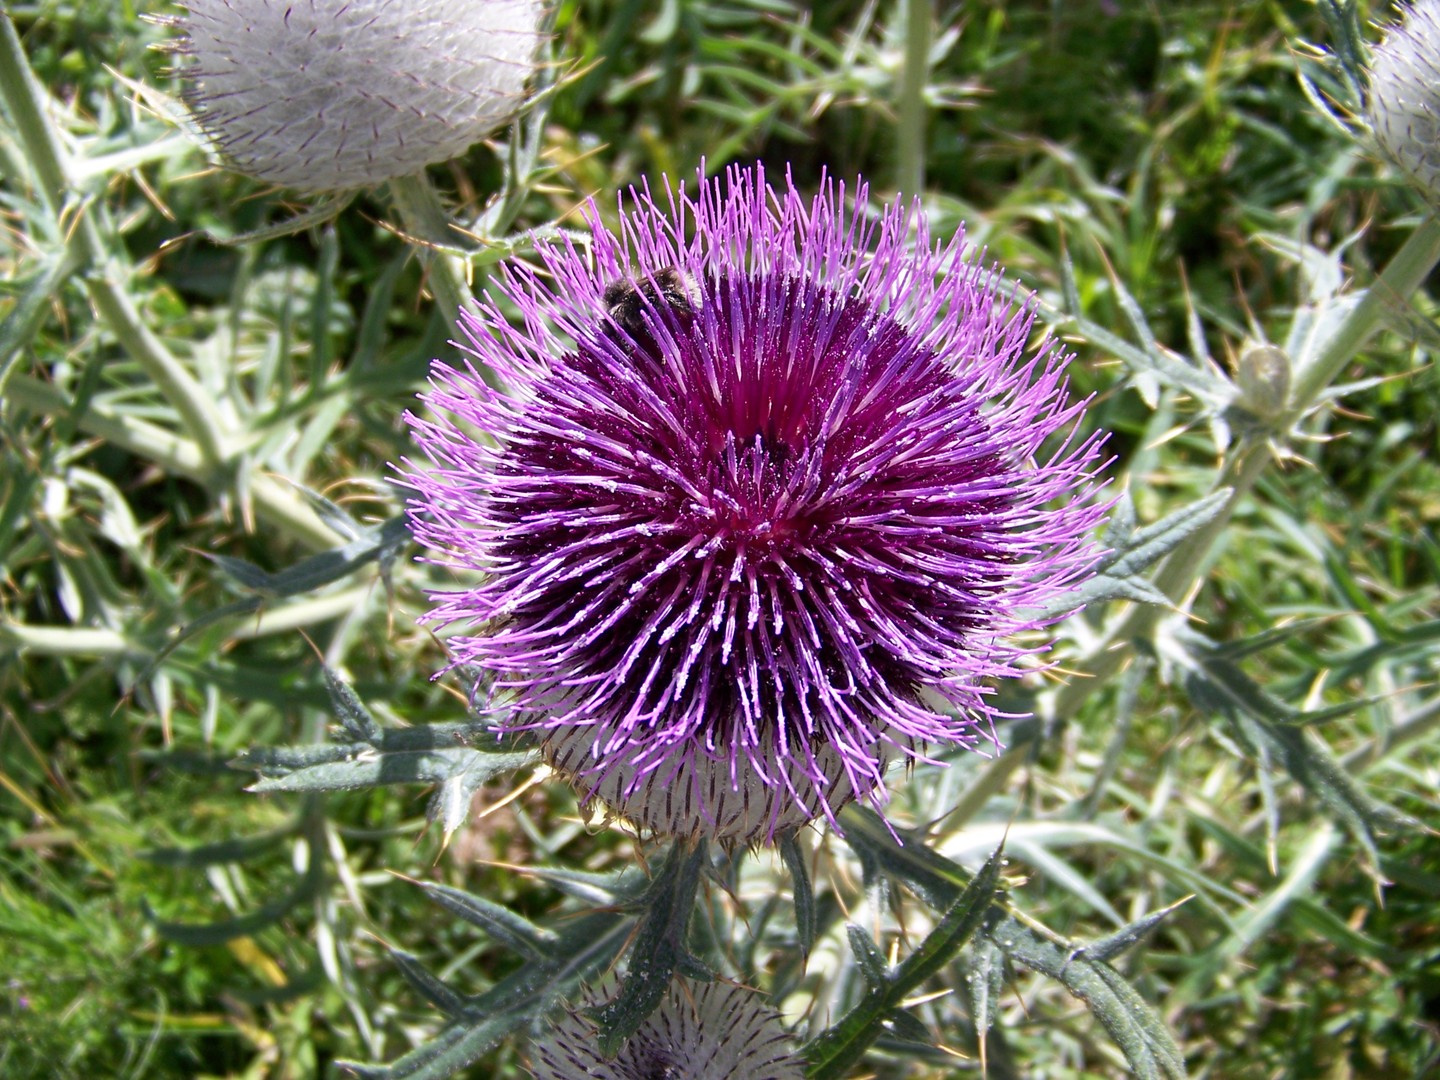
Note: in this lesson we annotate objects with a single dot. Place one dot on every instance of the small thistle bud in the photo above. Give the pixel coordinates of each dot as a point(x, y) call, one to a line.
point(1263, 375)
point(1405, 95)
point(327, 95)
point(705, 1031)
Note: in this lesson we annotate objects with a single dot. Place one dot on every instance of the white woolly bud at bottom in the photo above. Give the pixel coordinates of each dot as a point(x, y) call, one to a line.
point(698, 797)
point(701, 1031)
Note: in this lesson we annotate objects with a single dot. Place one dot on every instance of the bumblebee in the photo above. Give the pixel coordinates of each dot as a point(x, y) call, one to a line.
point(626, 300)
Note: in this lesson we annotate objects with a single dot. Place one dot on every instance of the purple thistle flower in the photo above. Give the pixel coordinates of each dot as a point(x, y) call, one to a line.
point(764, 507)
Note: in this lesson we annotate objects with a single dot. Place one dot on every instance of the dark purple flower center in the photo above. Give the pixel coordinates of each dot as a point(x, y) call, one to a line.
point(778, 512)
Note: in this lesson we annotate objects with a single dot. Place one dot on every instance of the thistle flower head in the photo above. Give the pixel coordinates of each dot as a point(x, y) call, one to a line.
point(701, 1031)
point(1405, 94)
point(324, 95)
point(758, 519)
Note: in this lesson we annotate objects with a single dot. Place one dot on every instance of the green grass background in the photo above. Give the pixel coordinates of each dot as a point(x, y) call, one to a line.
point(1166, 152)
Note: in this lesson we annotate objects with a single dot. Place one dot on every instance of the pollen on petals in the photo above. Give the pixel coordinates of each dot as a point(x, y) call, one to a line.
point(760, 519)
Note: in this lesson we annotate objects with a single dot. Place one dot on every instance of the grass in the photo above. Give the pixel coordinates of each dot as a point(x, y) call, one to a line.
point(1155, 174)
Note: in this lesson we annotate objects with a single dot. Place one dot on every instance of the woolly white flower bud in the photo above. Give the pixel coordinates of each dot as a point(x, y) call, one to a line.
point(1405, 94)
point(702, 1031)
point(703, 801)
point(323, 95)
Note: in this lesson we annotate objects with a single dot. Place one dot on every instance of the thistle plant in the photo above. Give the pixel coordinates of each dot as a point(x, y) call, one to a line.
point(776, 641)
point(759, 532)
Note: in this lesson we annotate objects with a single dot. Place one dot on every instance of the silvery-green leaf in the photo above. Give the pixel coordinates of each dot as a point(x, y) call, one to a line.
point(372, 767)
point(429, 987)
point(658, 947)
point(1129, 935)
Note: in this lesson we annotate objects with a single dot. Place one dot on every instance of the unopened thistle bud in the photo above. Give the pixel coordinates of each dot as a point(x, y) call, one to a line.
point(702, 1031)
point(1405, 95)
point(327, 95)
point(1263, 375)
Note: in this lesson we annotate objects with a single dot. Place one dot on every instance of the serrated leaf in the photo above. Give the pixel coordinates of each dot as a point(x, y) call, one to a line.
point(1130, 308)
point(1151, 369)
point(278, 760)
point(498, 921)
point(1215, 683)
point(427, 985)
point(1129, 935)
point(588, 946)
point(333, 514)
point(984, 983)
point(449, 807)
point(657, 949)
point(1150, 365)
point(1140, 1034)
point(615, 887)
point(837, 1049)
point(907, 1027)
point(375, 544)
point(1117, 576)
point(444, 1055)
point(1103, 587)
point(1121, 525)
point(961, 921)
point(1149, 545)
point(245, 573)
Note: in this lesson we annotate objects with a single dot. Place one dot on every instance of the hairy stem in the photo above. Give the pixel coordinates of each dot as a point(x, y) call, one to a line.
point(426, 221)
point(910, 101)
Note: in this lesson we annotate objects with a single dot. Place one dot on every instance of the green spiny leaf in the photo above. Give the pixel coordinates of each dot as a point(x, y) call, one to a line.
point(502, 924)
point(658, 947)
point(802, 889)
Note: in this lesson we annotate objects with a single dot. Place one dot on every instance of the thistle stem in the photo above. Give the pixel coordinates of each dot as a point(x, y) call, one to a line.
point(91, 642)
point(910, 100)
point(274, 502)
point(1405, 272)
point(427, 222)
